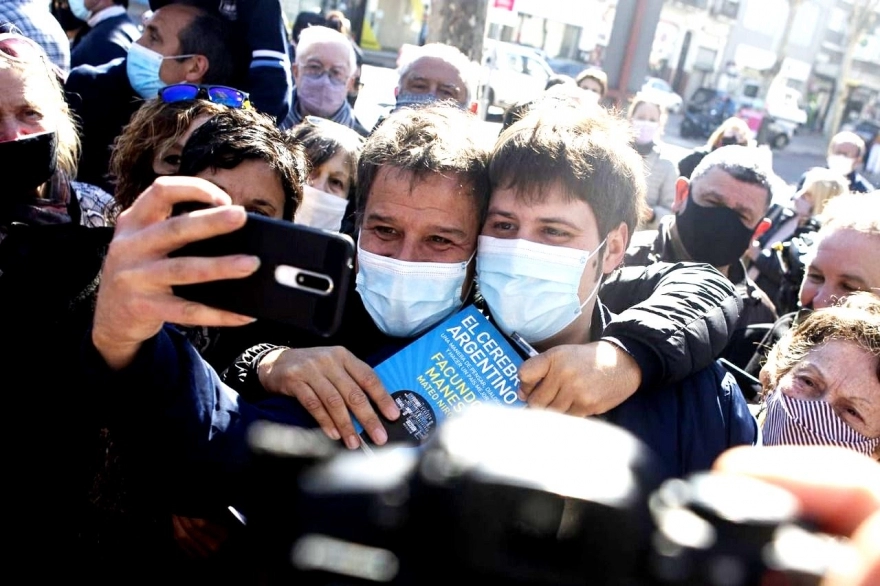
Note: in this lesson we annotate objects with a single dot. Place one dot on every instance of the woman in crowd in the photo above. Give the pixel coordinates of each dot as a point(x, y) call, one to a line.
point(769, 255)
point(39, 145)
point(821, 379)
point(151, 143)
point(333, 151)
point(648, 119)
point(732, 131)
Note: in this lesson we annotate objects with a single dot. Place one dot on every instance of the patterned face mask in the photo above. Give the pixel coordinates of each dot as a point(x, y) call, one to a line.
point(798, 422)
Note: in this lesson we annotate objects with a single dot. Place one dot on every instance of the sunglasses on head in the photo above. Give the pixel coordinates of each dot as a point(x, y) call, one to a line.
point(219, 94)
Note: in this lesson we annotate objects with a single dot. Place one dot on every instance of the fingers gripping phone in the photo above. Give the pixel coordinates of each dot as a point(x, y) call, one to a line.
point(302, 280)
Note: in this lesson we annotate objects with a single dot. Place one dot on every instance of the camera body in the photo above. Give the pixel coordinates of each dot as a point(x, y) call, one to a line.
point(516, 497)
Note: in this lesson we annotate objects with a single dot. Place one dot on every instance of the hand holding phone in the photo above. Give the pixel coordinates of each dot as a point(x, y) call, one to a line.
point(302, 281)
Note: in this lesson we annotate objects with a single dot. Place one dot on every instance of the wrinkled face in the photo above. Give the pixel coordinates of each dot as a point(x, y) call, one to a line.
point(24, 107)
point(162, 35)
point(430, 75)
point(334, 59)
point(253, 184)
point(334, 176)
point(843, 374)
point(168, 162)
point(845, 261)
point(429, 219)
point(717, 188)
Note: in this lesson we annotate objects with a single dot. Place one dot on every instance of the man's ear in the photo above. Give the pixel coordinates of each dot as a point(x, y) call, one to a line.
point(294, 70)
point(682, 186)
point(197, 69)
point(615, 248)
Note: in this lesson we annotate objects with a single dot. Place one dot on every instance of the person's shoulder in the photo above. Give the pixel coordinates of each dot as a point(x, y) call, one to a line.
point(641, 248)
point(88, 73)
point(97, 207)
point(860, 184)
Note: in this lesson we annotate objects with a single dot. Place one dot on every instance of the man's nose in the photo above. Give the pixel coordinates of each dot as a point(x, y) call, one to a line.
point(826, 296)
point(409, 251)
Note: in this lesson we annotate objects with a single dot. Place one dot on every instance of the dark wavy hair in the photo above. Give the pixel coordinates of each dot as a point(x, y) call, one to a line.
point(235, 136)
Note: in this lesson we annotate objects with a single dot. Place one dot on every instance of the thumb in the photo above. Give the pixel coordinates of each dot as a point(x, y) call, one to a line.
point(531, 373)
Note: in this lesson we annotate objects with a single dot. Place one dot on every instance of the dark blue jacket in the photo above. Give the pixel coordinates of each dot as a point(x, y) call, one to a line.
point(689, 423)
point(108, 40)
point(103, 100)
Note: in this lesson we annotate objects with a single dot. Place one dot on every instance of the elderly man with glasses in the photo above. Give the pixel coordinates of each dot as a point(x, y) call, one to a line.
point(323, 73)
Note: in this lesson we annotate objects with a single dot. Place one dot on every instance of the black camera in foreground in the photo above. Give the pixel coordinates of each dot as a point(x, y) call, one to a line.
point(506, 496)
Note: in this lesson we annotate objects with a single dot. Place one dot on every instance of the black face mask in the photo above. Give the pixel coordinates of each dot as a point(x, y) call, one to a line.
point(729, 140)
point(713, 235)
point(25, 164)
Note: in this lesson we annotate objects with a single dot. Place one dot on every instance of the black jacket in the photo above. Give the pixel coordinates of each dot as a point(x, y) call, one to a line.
point(109, 40)
point(104, 101)
point(651, 246)
point(675, 319)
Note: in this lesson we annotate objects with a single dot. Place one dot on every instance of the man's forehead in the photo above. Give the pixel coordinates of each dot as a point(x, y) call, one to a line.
point(172, 18)
point(719, 182)
point(428, 190)
point(435, 69)
point(328, 53)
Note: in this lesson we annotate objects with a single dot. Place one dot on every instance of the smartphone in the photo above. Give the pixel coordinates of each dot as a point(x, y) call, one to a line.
point(302, 281)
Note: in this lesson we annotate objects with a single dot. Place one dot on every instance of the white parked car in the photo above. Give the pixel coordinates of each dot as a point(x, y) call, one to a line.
point(511, 73)
point(660, 91)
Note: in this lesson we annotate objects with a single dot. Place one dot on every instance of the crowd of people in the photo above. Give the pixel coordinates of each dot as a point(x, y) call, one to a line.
point(668, 298)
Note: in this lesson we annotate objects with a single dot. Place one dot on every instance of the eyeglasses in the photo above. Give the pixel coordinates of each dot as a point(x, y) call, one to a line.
point(337, 75)
point(219, 94)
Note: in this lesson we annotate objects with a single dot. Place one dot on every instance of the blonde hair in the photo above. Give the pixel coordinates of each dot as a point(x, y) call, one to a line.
point(852, 211)
point(52, 103)
point(732, 123)
point(642, 99)
point(822, 185)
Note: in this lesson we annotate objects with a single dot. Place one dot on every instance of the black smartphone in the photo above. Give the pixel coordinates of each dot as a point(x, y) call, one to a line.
point(302, 281)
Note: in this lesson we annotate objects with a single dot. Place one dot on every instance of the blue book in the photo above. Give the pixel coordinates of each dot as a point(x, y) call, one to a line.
point(462, 362)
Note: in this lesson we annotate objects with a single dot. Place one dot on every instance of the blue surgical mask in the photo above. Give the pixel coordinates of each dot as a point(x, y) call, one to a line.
point(532, 288)
point(406, 298)
point(142, 66)
point(79, 10)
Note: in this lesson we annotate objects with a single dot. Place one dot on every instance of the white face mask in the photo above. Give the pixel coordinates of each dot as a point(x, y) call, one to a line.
point(406, 298)
point(645, 131)
point(792, 421)
point(320, 209)
point(531, 288)
point(841, 164)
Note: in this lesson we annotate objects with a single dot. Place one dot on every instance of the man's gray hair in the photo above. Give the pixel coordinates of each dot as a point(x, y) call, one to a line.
point(314, 35)
point(447, 53)
point(746, 164)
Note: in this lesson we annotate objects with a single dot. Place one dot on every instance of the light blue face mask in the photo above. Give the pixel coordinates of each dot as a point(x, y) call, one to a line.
point(406, 298)
point(532, 288)
point(142, 66)
point(79, 10)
